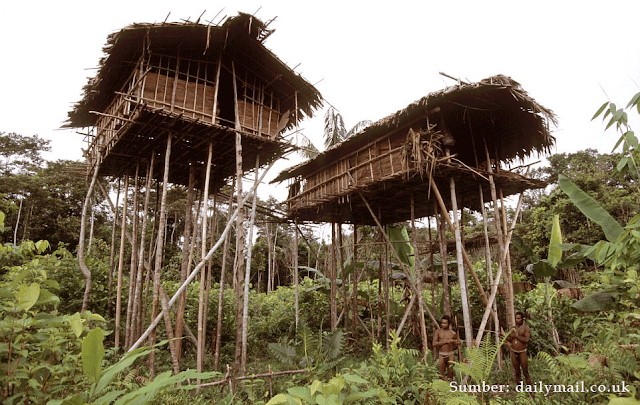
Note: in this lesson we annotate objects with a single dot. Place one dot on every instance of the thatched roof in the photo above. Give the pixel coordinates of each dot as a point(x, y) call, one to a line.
point(239, 38)
point(513, 123)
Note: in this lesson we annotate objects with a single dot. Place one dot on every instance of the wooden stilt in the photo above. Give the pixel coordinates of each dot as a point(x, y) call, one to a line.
point(462, 278)
point(332, 294)
point(384, 237)
point(489, 266)
point(195, 271)
point(418, 276)
point(123, 230)
point(223, 272)
point(509, 298)
point(184, 265)
point(247, 272)
point(112, 251)
point(354, 287)
point(445, 269)
point(340, 269)
point(467, 261)
point(83, 267)
point(135, 219)
point(295, 272)
point(137, 296)
point(203, 249)
point(240, 232)
point(159, 250)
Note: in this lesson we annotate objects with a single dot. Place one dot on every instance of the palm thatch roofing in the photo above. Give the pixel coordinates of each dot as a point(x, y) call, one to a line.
point(512, 121)
point(238, 38)
point(495, 111)
point(236, 43)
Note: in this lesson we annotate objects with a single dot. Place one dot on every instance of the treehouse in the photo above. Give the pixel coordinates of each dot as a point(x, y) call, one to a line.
point(202, 84)
point(468, 133)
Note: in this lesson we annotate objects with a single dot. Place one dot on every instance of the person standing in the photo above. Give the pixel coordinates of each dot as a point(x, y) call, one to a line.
point(446, 340)
point(517, 341)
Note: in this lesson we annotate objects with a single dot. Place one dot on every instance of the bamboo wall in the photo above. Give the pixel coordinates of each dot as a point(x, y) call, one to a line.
point(380, 160)
point(187, 88)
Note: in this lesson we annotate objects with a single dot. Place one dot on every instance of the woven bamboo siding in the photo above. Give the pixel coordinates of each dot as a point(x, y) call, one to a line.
point(191, 98)
point(250, 118)
point(379, 161)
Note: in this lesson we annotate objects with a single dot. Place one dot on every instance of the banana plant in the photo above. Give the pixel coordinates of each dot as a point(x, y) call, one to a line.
point(619, 254)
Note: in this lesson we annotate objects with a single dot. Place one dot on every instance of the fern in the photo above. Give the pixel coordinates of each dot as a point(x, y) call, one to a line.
point(332, 344)
point(480, 360)
point(309, 350)
point(551, 364)
point(286, 354)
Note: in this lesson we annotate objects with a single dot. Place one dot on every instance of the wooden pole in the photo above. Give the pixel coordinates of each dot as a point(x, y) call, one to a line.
point(462, 277)
point(123, 230)
point(511, 320)
point(247, 272)
point(240, 232)
point(488, 259)
point(295, 272)
point(332, 294)
point(83, 266)
point(112, 251)
point(466, 259)
point(416, 260)
point(203, 249)
point(135, 219)
point(195, 271)
point(340, 269)
point(184, 265)
point(385, 237)
point(354, 291)
point(137, 296)
point(223, 272)
point(443, 259)
point(159, 250)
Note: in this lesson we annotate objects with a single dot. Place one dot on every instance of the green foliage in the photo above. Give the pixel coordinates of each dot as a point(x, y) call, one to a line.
point(480, 359)
point(40, 348)
point(310, 351)
point(591, 209)
point(105, 390)
point(398, 371)
point(340, 389)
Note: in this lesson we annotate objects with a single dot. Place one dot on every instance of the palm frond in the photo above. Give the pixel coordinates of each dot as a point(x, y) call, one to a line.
point(307, 149)
point(334, 130)
point(358, 127)
point(332, 344)
point(285, 353)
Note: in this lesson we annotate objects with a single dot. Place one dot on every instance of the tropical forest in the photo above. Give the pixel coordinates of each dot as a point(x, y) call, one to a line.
point(70, 339)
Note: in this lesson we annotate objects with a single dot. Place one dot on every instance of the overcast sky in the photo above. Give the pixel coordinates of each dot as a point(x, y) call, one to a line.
point(368, 60)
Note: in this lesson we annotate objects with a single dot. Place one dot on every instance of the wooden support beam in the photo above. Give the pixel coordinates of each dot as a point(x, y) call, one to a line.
point(462, 277)
point(388, 241)
point(467, 261)
point(195, 271)
point(203, 249)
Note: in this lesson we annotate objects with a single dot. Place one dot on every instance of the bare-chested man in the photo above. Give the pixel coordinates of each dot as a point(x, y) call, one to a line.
point(517, 341)
point(446, 340)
